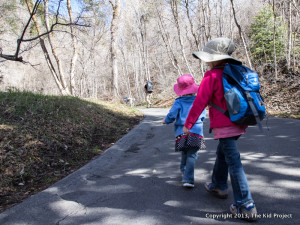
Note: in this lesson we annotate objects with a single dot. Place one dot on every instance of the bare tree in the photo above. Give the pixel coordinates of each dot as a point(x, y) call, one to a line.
point(174, 9)
point(75, 51)
point(220, 23)
point(241, 33)
point(56, 68)
point(167, 44)
point(206, 25)
point(113, 46)
point(290, 31)
point(16, 56)
point(196, 39)
point(274, 40)
point(296, 30)
point(141, 39)
point(196, 35)
point(60, 72)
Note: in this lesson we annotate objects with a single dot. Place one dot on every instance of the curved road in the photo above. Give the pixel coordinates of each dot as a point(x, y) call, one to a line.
point(137, 181)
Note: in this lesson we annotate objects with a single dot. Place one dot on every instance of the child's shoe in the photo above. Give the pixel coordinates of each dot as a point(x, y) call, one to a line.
point(248, 213)
point(220, 193)
point(188, 185)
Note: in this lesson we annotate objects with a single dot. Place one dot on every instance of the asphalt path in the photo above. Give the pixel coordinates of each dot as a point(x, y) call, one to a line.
point(137, 181)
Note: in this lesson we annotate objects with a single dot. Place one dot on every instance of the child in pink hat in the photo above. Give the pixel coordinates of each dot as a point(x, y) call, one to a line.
point(189, 145)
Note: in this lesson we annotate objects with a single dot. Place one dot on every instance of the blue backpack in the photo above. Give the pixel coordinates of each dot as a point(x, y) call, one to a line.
point(149, 86)
point(244, 102)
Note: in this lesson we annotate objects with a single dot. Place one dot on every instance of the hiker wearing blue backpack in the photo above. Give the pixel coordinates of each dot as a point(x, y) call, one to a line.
point(217, 55)
point(148, 91)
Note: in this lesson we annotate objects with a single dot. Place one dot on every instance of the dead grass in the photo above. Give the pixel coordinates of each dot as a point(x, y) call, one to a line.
point(45, 138)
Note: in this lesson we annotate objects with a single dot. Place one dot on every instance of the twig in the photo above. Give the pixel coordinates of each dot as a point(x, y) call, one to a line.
point(52, 29)
point(12, 57)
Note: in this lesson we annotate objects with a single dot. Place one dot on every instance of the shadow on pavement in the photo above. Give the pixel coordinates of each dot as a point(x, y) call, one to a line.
point(138, 182)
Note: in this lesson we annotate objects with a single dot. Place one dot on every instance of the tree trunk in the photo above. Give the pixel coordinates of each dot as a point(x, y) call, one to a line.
point(191, 24)
point(206, 12)
point(296, 35)
point(141, 38)
point(220, 19)
point(274, 41)
point(175, 16)
point(168, 46)
point(59, 65)
point(144, 45)
point(138, 88)
point(113, 47)
point(126, 75)
point(75, 52)
point(289, 35)
point(59, 83)
point(241, 34)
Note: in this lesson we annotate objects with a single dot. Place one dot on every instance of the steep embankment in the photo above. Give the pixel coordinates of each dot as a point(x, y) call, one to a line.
point(45, 138)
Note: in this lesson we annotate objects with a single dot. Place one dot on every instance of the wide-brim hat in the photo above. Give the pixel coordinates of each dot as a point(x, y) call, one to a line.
point(185, 85)
point(217, 49)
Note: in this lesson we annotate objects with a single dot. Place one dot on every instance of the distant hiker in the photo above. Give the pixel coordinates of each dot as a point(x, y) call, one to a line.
point(216, 53)
point(189, 145)
point(148, 90)
point(129, 100)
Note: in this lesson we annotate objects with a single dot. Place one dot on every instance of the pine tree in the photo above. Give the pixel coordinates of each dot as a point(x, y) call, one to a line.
point(261, 32)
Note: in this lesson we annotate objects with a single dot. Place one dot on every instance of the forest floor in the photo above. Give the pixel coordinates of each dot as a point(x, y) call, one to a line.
point(281, 95)
point(45, 138)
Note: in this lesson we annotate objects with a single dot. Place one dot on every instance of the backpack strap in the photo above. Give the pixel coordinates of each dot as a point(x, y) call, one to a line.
point(255, 113)
point(219, 67)
point(226, 113)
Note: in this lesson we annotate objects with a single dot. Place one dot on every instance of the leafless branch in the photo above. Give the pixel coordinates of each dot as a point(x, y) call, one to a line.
point(16, 56)
point(12, 57)
point(52, 29)
point(32, 65)
point(19, 41)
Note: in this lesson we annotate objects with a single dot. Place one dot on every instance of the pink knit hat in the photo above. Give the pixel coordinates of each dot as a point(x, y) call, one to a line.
point(185, 85)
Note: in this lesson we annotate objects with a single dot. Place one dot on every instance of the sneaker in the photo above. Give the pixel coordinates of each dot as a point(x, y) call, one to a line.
point(248, 213)
point(188, 185)
point(220, 193)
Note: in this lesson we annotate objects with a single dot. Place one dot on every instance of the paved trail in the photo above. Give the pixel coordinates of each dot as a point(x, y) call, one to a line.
point(120, 187)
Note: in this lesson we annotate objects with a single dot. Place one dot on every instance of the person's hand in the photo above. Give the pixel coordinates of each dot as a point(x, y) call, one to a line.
point(163, 122)
point(185, 130)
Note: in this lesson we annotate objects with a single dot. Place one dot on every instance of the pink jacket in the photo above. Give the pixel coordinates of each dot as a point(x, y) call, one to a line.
point(210, 90)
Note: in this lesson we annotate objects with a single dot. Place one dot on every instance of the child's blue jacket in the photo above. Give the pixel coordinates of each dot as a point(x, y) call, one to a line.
point(180, 111)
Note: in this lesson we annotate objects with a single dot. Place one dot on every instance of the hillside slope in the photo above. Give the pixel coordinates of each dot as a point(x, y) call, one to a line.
point(45, 138)
point(282, 95)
